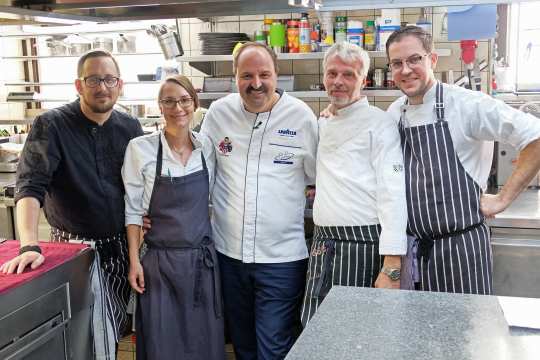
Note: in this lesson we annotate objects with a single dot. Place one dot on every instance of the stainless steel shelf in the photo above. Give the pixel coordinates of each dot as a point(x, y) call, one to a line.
point(288, 56)
point(19, 35)
point(72, 56)
point(217, 95)
point(71, 83)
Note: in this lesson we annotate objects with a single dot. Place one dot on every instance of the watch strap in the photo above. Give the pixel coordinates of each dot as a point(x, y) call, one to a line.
point(27, 248)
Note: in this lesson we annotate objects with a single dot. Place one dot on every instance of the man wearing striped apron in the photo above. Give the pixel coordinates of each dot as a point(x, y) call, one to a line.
point(360, 207)
point(71, 165)
point(447, 135)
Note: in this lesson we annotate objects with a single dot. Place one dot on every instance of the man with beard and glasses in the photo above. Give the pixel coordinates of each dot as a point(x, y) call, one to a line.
point(71, 165)
point(360, 209)
point(266, 144)
point(447, 135)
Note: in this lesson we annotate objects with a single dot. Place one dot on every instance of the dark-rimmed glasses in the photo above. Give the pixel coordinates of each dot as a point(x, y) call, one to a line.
point(412, 62)
point(93, 81)
point(184, 102)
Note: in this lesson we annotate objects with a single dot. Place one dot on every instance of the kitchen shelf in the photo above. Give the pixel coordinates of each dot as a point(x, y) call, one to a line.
point(111, 28)
point(289, 56)
point(72, 56)
point(72, 82)
point(217, 95)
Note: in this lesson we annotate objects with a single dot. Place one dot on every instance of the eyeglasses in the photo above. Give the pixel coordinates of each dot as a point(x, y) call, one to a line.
point(171, 103)
point(412, 62)
point(93, 81)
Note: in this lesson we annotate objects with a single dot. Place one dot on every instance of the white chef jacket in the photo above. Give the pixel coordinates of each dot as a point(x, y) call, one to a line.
point(475, 120)
point(360, 176)
point(264, 161)
point(139, 169)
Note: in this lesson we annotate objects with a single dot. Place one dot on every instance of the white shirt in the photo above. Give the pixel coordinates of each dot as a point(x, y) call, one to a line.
point(475, 120)
point(139, 170)
point(259, 194)
point(360, 178)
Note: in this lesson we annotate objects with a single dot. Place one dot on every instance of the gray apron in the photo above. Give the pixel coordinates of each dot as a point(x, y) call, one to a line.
point(179, 316)
point(340, 255)
point(443, 204)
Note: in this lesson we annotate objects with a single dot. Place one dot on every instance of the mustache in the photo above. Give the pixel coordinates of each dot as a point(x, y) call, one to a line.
point(260, 88)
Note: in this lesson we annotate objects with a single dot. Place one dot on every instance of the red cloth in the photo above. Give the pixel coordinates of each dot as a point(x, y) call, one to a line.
point(55, 254)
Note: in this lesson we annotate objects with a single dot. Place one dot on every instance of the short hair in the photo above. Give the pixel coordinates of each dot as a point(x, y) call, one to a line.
point(250, 44)
point(94, 54)
point(349, 53)
point(183, 82)
point(425, 38)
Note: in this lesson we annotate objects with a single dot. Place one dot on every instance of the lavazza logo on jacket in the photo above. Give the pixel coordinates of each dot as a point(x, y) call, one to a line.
point(286, 132)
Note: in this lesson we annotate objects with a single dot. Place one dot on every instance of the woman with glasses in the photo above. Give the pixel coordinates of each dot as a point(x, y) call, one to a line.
point(168, 176)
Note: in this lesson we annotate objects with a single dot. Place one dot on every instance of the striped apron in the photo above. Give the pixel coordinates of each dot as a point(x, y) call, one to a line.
point(443, 204)
point(110, 287)
point(340, 255)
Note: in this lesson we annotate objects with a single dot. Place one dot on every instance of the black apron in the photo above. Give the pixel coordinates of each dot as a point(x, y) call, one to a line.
point(443, 204)
point(340, 255)
point(179, 314)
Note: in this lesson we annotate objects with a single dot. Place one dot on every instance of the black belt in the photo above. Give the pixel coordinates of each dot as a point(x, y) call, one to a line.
point(426, 244)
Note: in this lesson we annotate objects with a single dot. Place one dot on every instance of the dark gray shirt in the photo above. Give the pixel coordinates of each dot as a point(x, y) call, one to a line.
point(73, 167)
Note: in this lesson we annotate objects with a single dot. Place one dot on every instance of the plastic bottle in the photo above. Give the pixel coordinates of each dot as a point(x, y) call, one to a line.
point(340, 29)
point(369, 35)
point(266, 29)
point(355, 32)
point(305, 34)
point(293, 41)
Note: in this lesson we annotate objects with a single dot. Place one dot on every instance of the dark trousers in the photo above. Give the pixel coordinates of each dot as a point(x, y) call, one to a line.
point(262, 306)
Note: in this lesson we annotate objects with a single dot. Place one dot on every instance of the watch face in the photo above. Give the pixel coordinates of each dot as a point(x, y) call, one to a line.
point(394, 274)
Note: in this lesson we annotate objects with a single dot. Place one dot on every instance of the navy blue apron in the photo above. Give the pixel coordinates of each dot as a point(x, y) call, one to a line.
point(179, 316)
point(443, 204)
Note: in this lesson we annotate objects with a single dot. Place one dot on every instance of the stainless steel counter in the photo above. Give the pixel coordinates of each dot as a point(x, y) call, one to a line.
point(523, 213)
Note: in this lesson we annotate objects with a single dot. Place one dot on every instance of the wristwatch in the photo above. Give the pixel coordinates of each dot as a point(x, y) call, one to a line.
point(393, 274)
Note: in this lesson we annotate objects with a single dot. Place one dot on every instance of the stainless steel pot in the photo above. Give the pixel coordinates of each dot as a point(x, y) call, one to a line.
point(56, 47)
point(104, 43)
point(79, 48)
point(126, 44)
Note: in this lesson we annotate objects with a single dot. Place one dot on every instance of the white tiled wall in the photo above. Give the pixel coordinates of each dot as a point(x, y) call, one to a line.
point(308, 72)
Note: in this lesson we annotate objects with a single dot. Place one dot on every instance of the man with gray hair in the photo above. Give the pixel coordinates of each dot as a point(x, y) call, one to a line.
point(360, 209)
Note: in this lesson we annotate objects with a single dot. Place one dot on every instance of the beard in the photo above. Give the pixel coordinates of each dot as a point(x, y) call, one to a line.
point(97, 106)
point(339, 101)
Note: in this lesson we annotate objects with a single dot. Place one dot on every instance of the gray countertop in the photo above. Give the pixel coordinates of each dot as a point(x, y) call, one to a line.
point(382, 324)
point(524, 212)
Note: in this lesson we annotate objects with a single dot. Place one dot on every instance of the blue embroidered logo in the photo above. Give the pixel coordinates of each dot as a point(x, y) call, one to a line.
point(287, 132)
point(284, 158)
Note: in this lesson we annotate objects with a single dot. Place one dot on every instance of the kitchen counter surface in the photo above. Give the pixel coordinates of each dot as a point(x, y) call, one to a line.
point(382, 324)
point(524, 212)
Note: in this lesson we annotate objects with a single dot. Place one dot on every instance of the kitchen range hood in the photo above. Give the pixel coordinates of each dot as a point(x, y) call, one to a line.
point(119, 10)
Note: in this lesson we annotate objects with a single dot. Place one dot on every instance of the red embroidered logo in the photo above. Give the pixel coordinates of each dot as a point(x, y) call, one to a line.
point(225, 146)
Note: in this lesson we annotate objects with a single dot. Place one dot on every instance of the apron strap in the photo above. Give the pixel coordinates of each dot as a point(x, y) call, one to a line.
point(207, 258)
point(325, 280)
point(439, 101)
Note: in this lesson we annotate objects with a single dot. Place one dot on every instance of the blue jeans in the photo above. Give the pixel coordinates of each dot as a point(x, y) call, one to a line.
point(262, 306)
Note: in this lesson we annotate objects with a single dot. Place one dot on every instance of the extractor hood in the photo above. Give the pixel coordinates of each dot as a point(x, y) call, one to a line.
point(118, 10)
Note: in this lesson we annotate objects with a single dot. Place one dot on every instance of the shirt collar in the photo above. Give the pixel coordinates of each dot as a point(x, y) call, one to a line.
point(197, 144)
point(355, 106)
point(428, 100)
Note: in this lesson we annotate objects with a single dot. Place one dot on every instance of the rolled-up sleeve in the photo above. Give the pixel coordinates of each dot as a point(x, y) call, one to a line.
point(387, 160)
point(39, 160)
point(133, 177)
point(493, 119)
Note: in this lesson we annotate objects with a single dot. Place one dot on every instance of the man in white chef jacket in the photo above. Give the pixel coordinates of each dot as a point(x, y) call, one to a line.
point(359, 210)
point(447, 135)
point(266, 144)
